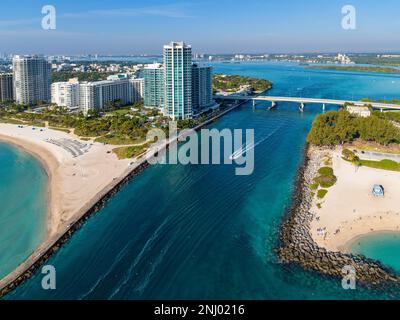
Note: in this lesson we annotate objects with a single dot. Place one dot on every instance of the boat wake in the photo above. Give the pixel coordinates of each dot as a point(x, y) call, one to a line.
point(248, 147)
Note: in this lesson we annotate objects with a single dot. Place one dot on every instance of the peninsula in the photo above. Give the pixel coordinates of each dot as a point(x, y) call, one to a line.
point(335, 201)
point(357, 68)
point(223, 83)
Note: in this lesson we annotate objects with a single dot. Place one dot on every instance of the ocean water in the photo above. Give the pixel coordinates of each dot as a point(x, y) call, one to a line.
point(384, 246)
point(23, 196)
point(200, 231)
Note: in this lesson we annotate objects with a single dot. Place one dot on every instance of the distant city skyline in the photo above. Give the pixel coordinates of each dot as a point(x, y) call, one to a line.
point(123, 27)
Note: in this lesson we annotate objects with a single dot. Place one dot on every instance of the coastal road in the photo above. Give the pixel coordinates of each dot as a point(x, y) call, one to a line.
point(377, 156)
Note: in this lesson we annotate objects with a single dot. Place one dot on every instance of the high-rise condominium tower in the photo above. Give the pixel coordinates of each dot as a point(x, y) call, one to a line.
point(178, 80)
point(6, 87)
point(32, 79)
point(154, 85)
point(202, 87)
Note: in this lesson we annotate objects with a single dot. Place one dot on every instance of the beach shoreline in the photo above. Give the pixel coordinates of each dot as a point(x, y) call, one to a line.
point(347, 247)
point(49, 164)
point(127, 170)
point(349, 209)
point(75, 187)
point(297, 242)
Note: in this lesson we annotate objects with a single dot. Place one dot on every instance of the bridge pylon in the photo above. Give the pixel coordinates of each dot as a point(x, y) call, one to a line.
point(273, 105)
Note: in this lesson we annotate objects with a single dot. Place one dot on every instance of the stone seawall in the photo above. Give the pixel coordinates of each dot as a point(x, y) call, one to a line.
point(59, 241)
point(298, 247)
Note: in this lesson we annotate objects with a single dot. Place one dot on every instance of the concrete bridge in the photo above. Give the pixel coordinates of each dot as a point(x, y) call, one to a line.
point(303, 101)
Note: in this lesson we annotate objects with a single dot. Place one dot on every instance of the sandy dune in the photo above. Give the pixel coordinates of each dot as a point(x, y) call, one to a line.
point(350, 210)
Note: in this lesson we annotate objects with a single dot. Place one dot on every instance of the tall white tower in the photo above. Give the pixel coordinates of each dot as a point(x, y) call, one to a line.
point(32, 80)
point(178, 80)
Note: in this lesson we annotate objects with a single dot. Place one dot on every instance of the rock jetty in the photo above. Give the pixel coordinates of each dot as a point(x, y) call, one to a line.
point(298, 247)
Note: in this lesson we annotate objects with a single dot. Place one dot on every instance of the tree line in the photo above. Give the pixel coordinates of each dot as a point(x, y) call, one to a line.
point(339, 127)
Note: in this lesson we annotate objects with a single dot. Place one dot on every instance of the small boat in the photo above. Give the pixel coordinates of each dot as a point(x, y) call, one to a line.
point(238, 153)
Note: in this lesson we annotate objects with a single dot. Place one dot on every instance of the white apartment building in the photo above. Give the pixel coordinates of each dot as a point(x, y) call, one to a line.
point(363, 112)
point(343, 59)
point(65, 94)
point(99, 95)
point(136, 89)
point(32, 79)
point(87, 96)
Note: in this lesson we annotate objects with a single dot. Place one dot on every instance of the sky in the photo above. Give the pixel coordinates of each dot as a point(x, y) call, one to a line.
point(210, 26)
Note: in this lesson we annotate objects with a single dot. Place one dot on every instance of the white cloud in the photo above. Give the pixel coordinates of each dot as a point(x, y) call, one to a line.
point(19, 22)
point(169, 11)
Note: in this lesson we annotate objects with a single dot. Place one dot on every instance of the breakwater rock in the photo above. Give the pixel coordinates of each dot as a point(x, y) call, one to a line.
point(298, 247)
point(51, 246)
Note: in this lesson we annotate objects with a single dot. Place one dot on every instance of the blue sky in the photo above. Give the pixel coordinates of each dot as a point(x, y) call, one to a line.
point(211, 26)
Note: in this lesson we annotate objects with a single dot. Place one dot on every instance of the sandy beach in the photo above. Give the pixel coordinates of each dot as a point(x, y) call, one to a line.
point(72, 180)
point(349, 210)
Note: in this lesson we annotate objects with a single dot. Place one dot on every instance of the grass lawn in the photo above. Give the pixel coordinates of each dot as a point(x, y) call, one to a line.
point(322, 193)
point(119, 112)
point(314, 186)
point(119, 140)
point(60, 129)
point(325, 181)
point(11, 121)
point(325, 171)
point(130, 151)
point(383, 164)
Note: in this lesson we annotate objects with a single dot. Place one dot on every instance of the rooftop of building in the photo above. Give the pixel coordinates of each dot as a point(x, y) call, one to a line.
point(25, 57)
point(357, 108)
point(153, 66)
point(174, 44)
point(201, 65)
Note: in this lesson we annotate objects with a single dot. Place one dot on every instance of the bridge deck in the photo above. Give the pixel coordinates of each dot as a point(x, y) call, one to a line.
point(377, 105)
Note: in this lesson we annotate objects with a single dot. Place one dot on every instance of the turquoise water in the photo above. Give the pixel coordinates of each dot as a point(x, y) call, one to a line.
point(200, 232)
point(23, 185)
point(380, 246)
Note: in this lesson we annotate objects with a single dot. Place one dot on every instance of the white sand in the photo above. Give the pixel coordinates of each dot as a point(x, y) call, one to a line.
point(351, 208)
point(73, 181)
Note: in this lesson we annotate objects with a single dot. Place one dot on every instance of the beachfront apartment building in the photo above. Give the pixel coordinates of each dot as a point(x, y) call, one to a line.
point(87, 97)
point(32, 80)
point(202, 87)
point(6, 87)
point(180, 88)
point(100, 95)
point(177, 61)
point(136, 89)
point(66, 94)
point(153, 75)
